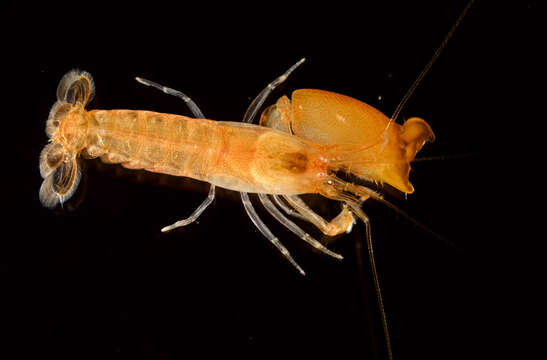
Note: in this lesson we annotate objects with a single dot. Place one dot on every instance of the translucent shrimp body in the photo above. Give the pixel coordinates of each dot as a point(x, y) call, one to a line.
point(237, 156)
point(270, 161)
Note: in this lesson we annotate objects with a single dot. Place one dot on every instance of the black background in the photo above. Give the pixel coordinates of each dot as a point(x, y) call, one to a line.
point(98, 279)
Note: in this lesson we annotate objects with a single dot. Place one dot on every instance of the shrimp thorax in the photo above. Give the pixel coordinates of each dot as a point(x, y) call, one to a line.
point(364, 140)
point(288, 165)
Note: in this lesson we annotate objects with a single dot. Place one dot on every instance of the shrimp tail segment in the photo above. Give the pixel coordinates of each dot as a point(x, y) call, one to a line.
point(59, 165)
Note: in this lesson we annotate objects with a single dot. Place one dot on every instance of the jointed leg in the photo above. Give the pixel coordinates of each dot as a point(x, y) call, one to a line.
point(287, 209)
point(190, 219)
point(248, 118)
point(259, 100)
point(343, 222)
point(361, 193)
point(340, 223)
point(198, 114)
point(266, 232)
point(293, 227)
point(189, 102)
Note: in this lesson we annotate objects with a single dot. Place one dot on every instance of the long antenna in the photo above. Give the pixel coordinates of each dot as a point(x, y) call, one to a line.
point(429, 64)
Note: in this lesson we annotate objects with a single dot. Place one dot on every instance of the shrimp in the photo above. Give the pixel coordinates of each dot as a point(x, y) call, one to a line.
point(297, 149)
point(237, 156)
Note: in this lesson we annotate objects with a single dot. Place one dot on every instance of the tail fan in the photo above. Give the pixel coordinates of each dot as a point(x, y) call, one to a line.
point(61, 183)
point(76, 87)
point(59, 167)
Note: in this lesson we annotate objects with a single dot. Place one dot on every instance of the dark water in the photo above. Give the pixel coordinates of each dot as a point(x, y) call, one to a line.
point(101, 279)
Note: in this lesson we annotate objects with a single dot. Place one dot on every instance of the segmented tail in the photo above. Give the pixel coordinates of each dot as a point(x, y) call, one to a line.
point(59, 167)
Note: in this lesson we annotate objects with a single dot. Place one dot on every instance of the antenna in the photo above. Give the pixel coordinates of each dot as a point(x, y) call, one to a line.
point(429, 64)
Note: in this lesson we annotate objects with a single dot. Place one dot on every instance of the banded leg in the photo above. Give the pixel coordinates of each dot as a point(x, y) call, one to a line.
point(198, 114)
point(294, 228)
point(343, 222)
point(266, 232)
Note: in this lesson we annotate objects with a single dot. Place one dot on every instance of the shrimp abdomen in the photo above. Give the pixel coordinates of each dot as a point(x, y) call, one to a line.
point(156, 142)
